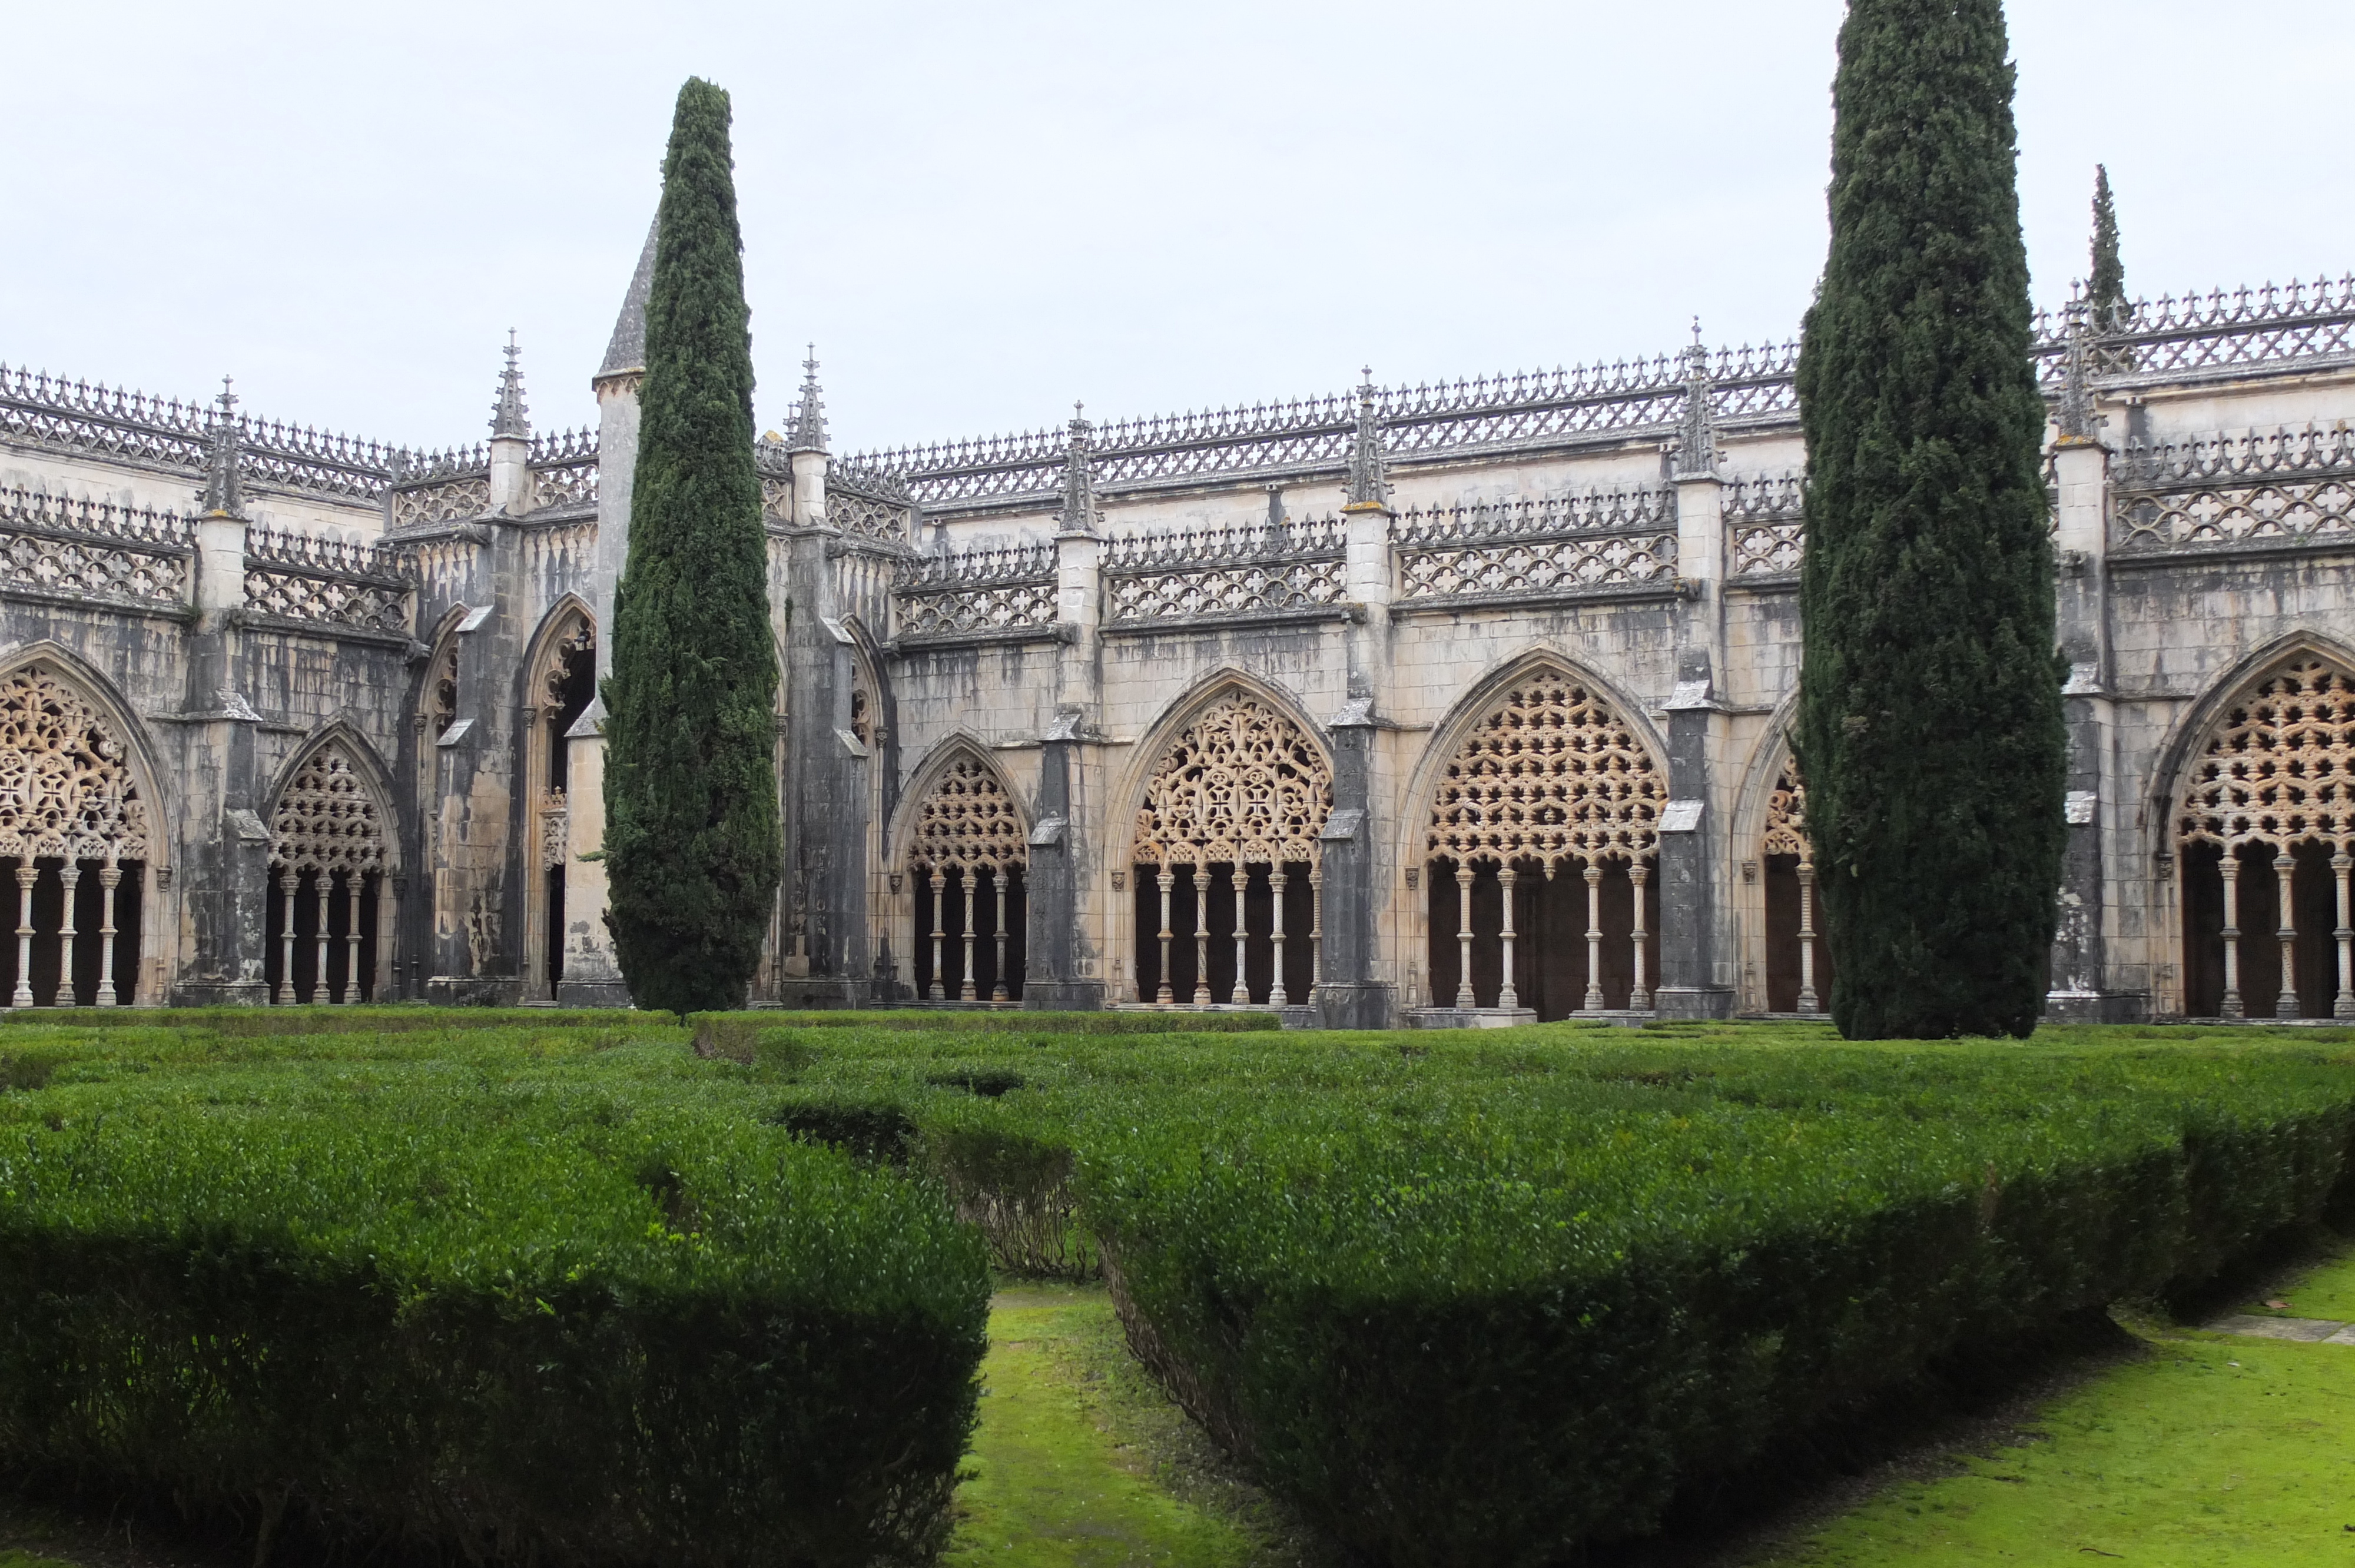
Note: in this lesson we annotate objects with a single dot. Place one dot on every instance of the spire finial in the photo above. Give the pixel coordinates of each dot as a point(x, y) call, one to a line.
point(809, 416)
point(508, 415)
point(1697, 433)
point(1078, 516)
point(1368, 485)
point(224, 492)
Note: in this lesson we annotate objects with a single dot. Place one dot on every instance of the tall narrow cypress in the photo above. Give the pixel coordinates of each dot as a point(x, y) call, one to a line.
point(692, 843)
point(2106, 289)
point(1930, 723)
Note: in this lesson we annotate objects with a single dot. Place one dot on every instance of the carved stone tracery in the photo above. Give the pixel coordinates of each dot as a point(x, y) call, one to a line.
point(1243, 786)
point(1554, 775)
point(968, 821)
point(1786, 815)
point(327, 821)
point(66, 791)
point(2277, 770)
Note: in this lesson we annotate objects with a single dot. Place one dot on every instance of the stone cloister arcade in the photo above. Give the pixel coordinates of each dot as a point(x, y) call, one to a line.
point(330, 925)
point(964, 871)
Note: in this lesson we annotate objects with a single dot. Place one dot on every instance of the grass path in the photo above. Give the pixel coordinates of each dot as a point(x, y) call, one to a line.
point(2209, 1451)
point(1081, 1462)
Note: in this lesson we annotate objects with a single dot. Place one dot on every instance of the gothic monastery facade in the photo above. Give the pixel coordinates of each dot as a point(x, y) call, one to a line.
point(1459, 702)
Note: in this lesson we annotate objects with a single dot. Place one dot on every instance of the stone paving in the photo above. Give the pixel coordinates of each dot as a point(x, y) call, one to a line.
point(2308, 1330)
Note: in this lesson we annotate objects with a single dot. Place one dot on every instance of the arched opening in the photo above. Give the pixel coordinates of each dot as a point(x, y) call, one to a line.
point(1552, 779)
point(563, 682)
point(2264, 829)
point(1798, 963)
point(326, 870)
point(1229, 877)
point(967, 861)
point(73, 841)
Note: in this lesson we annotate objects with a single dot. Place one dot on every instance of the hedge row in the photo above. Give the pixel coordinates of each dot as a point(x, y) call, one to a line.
point(492, 1295)
point(411, 1017)
point(995, 1021)
point(1489, 1299)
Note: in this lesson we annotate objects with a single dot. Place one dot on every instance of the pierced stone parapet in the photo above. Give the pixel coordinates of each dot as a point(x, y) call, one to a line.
point(995, 607)
point(1558, 545)
point(569, 484)
point(1765, 525)
point(1254, 588)
point(2282, 486)
point(445, 501)
point(94, 548)
point(302, 577)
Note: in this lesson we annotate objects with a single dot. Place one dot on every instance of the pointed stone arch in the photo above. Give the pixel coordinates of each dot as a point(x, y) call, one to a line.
point(2263, 819)
point(333, 849)
point(81, 829)
point(1543, 767)
point(1235, 779)
point(560, 683)
point(963, 842)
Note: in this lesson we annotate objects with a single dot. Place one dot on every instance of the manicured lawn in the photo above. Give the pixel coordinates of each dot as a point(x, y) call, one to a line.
point(2209, 1451)
point(2322, 1289)
point(1081, 1463)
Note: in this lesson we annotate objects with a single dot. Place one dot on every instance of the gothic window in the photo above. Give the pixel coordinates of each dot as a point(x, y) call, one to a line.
point(970, 850)
point(72, 821)
point(327, 860)
point(2264, 823)
point(1552, 776)
point(1227, 839)
point(1798, 967)
point(442, 691)
point(562, 687)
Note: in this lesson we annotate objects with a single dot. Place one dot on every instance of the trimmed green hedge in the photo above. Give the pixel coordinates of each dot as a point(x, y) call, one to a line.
point(325, 1020)
point(1484, 1300)
point(498, 1294)
point(995, 1021)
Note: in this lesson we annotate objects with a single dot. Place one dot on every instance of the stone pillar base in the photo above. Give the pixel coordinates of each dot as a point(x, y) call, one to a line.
point(1696, 1002)
point(475, 990)
point(2096, 1007)
point(1469, 1017)
point(1356, 1004)
point(593, 993)
point(220, 993)
point(1063, 996)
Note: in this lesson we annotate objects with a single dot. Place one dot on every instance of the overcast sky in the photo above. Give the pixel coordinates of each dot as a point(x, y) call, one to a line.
point(982, 212)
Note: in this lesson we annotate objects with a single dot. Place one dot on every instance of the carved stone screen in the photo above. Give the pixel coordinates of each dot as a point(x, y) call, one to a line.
point(1552, 777)
point(2264, 824)
point(326, 864)
point(1798, 964)
point(1226, 861)
point(966, 861)
point(72, 821)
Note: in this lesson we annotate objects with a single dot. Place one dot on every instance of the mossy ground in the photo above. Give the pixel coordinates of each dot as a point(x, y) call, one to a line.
point(1081, 1462)
point(2205, 1451)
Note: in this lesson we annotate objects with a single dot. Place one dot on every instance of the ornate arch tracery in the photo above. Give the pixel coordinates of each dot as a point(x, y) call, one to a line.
point(66, 794)
point(1787, 835)
point(1554, 775)
point(1242, 785)
point(2278, 771)
point(66, 788)
point(967, 824)
point(327, 822)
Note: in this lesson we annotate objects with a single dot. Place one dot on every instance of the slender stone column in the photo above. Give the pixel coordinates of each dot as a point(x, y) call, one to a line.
point(27, 874)
point(1315, 927)
point(71, 876)
point(1238, 881)
point(940, 932)
point(1594, 1002)
point(285, 996)
point(968, 992)
point(324, 887)
point(1463, 875)
point(2285, 869)
point(2341, 864)
point(110, 877)
point(350, 994)
point(1275, 884)
point(1168, 880)
point(997, 880)
point(1809, 1002)
point(2231, 868)
point(1638, 876)
point(1505, 995)
point(1201, 874)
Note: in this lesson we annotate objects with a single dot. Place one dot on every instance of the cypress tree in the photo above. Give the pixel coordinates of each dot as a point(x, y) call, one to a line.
point(2107, 290)
point(692, 843)
point(1929, 725)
